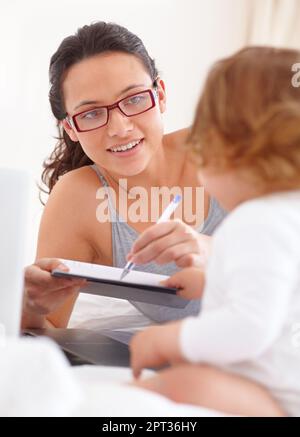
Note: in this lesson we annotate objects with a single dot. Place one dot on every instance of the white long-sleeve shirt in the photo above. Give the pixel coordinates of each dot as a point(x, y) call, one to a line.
point(249, 323)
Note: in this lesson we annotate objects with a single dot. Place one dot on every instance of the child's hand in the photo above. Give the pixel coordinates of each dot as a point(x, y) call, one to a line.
point(190, 281)
point(154, 347)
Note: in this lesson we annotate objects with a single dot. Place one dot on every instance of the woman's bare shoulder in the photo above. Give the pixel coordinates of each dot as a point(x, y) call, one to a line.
point(80, 177)
point(75, 187)
point(69, 221)
point(177, 140)
point(73, 198)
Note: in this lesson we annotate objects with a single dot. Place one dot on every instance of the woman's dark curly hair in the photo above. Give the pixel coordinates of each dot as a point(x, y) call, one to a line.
point(88, 41)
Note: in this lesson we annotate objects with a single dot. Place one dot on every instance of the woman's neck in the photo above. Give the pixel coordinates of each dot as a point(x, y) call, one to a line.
point(156, 174)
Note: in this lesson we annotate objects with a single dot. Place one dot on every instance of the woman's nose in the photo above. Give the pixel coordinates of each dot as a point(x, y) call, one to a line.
point(118, 124)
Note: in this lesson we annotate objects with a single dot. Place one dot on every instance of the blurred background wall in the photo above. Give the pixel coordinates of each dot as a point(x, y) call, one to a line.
point(184, 37)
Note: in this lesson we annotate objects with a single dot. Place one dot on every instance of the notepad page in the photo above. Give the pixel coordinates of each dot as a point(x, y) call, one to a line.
point(112, 273)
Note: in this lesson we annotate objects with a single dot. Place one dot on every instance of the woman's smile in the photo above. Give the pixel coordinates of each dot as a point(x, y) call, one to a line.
point(126, 150)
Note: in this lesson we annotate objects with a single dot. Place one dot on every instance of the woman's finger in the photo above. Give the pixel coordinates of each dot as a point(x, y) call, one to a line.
point(47, 287)
point(191, 260)
point(154, 232)
point(42, 282)
point(157, 247)
point(175, 252)
point(48, 264)
point(45, 305)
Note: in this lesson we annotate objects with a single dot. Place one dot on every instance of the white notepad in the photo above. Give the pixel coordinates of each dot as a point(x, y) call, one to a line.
point(136, 286)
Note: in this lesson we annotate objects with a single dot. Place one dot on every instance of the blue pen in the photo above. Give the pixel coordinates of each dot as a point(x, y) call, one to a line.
point(165, 216)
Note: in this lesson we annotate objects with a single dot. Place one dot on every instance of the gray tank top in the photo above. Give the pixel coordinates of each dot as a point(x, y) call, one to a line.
point(123, 237)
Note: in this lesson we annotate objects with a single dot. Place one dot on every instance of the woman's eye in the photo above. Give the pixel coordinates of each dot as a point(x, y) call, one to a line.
point(93, 114)
point(135, 100)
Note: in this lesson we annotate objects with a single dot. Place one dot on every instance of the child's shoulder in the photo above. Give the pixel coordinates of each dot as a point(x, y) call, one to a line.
point(275, 214)
point(271, 208)
point(246, 214)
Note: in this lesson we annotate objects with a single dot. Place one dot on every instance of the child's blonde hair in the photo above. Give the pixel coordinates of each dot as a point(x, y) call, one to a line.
point(248, 117)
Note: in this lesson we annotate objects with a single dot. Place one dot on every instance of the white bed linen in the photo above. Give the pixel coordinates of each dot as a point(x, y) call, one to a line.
point(106, 394)
point(37, 380)
point(102, 385)
point(105, 313)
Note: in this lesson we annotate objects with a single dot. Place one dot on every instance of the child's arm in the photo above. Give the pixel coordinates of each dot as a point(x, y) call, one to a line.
point(252, 274)
point(249, 282)
point(159, 345)
point(155, 347)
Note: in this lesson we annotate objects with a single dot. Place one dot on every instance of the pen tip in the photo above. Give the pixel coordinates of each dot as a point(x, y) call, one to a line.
point(124, 273)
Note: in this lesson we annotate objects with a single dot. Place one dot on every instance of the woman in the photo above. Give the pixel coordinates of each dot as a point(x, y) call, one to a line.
point(108, 100)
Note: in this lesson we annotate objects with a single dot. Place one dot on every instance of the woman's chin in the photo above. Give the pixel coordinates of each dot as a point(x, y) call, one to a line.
point(134, 170)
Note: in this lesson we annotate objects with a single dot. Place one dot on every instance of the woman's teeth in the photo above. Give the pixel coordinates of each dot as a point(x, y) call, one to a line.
point(125, 147)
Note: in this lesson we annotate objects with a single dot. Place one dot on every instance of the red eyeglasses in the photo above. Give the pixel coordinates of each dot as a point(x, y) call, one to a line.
point(134, 104)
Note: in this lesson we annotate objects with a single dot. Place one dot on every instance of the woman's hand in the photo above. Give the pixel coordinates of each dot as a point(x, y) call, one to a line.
point(170, 241)
point(155, 347)
point(44, 293)
point(190, 282)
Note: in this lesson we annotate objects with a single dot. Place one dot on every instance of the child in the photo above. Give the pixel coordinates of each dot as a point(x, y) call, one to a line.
point(238, 356)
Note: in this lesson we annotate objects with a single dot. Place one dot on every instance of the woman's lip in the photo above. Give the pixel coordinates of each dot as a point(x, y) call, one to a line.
point(128, 152)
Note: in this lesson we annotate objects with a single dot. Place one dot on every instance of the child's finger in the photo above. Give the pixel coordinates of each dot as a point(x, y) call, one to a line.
point(171, 282)
point(136, 373)
point(136, 368)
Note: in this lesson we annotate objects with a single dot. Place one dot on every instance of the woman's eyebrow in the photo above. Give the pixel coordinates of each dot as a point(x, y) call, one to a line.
point(92, 102)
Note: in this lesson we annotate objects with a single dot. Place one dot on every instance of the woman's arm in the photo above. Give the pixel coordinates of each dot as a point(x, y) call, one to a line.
point(63, 233)
point(42, 292)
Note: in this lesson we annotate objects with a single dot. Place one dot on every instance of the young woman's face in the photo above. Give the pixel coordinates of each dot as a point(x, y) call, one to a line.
point(104, 79)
